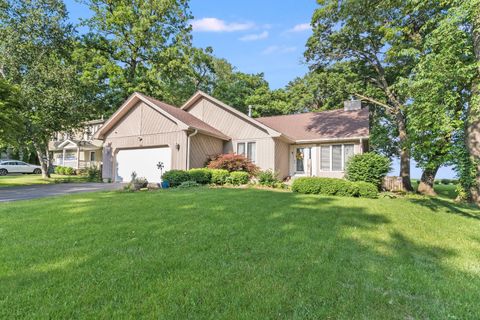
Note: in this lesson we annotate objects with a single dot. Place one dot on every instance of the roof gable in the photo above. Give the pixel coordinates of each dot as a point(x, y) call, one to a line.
point(251, 121)
point(183, 119)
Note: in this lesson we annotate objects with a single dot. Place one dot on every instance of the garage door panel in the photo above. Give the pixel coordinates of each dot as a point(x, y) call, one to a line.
point(143, 162)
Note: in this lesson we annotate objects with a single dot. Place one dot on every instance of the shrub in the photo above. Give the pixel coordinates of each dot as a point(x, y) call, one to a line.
point(59, 170)
point(176, 177)
point(368, 167)
point(446, 181)
point(93, 173)
point(238, 178)
point(267, 178)
point(219, 176)
point(367, 190)
point(332, 186)
point(188, 184)
point(233, 162)
point(68, 171)
point(64, 171)
point(202, 176)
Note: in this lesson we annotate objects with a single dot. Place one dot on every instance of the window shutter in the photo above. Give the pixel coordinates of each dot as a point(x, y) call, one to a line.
point(337, 158)
point(325, 158)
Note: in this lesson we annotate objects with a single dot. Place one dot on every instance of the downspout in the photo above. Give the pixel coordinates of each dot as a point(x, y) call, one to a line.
point(188, 147)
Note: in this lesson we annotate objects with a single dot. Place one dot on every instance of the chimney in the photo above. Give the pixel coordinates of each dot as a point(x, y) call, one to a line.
point(250, 111)
point(351, 105)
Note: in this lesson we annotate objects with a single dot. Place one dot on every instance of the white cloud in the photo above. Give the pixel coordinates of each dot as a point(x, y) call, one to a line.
point(218, 25)
point(301, 27)
point(278, 49)
point(255, 36)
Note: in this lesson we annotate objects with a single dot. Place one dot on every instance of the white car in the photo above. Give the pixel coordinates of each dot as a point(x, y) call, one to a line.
point(16, 166)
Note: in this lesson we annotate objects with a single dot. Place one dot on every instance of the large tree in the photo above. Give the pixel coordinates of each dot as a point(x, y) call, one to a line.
point(35, 55)
point(440, 91)
point(472, 134)
point(137, 46)
point(380, 38)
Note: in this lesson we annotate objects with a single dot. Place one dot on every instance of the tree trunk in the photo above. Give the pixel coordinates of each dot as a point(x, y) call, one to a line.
point(43, 159)
point(404, 152)
point(427, 182)
point(473, 131)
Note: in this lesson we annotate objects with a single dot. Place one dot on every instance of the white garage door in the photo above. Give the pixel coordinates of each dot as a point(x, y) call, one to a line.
point(143, 162)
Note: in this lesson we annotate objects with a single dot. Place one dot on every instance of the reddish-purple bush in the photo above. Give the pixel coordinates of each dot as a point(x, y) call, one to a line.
point(233, 162)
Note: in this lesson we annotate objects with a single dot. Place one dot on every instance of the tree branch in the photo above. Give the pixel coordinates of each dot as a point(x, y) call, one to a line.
point(374, 101)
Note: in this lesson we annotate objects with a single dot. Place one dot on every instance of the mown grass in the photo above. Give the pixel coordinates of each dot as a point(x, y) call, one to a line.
point(13, 180)
point(238, 254)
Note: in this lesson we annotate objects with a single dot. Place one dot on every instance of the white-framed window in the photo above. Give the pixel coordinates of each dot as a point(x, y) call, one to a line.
point(334, 157)
point(248, 149)
point(93, 156)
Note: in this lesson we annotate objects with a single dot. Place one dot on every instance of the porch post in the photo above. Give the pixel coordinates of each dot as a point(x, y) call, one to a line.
point(78, 157)
point(63, 157)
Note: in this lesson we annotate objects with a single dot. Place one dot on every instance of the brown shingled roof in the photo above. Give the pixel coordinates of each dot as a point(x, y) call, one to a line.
point(334, 124)
point(186, 117)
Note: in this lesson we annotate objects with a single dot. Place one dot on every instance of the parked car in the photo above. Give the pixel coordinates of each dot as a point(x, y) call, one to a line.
point(16, 166)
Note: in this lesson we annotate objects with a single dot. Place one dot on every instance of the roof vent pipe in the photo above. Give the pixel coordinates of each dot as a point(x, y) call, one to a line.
point(250, 111)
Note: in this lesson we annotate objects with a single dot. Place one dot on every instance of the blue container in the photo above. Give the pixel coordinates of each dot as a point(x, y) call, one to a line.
point(165, 184)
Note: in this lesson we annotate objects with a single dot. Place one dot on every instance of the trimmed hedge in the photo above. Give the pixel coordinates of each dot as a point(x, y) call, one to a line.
point(201, 175)
point(238, 178)
point(206, 176)
point(219, 176)
point(366, 189)
point(334, 187)
point(176, 177)
point(66, 171)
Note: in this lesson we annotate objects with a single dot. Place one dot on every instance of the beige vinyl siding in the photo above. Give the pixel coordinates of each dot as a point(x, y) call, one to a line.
point(225, 121)
point(144, 127)
point(142, 119)
point(201, 147)
point(238, 129)
point(282, 157)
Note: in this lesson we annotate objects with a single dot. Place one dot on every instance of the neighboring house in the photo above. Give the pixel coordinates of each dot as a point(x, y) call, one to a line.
point(145, 131)
point(79, 149)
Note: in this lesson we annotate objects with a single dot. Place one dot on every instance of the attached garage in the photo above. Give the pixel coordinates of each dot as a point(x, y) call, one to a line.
point(145, 131)
point(143, 161)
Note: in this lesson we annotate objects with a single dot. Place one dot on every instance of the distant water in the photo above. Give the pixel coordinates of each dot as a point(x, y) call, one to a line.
point(443, 173)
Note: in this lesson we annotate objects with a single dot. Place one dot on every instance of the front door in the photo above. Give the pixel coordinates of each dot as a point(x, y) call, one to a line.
point(300, 160)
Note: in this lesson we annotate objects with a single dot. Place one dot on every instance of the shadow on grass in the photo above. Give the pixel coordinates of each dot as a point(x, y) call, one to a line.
point(230, 253)
point(437, 204)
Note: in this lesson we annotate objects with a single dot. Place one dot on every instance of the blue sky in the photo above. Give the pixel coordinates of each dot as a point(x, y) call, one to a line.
point(256, 36)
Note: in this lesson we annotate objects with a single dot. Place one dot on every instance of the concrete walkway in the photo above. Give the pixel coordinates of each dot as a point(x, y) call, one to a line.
point(48, 190)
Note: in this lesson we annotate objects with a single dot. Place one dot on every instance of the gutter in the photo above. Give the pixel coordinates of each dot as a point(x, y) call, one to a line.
point(188, 147)
point(331, 140)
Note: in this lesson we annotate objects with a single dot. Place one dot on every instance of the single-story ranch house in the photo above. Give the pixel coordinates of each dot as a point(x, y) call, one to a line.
point(145, 131)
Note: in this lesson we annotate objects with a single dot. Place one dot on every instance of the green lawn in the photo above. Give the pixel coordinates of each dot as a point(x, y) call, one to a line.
point(238, 254)
point(31, 179)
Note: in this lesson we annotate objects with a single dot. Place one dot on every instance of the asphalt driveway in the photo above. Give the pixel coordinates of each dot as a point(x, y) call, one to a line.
point(48, 190)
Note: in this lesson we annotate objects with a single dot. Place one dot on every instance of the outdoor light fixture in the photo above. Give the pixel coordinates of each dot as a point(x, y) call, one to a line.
point(140, 138)
point(177, 146)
